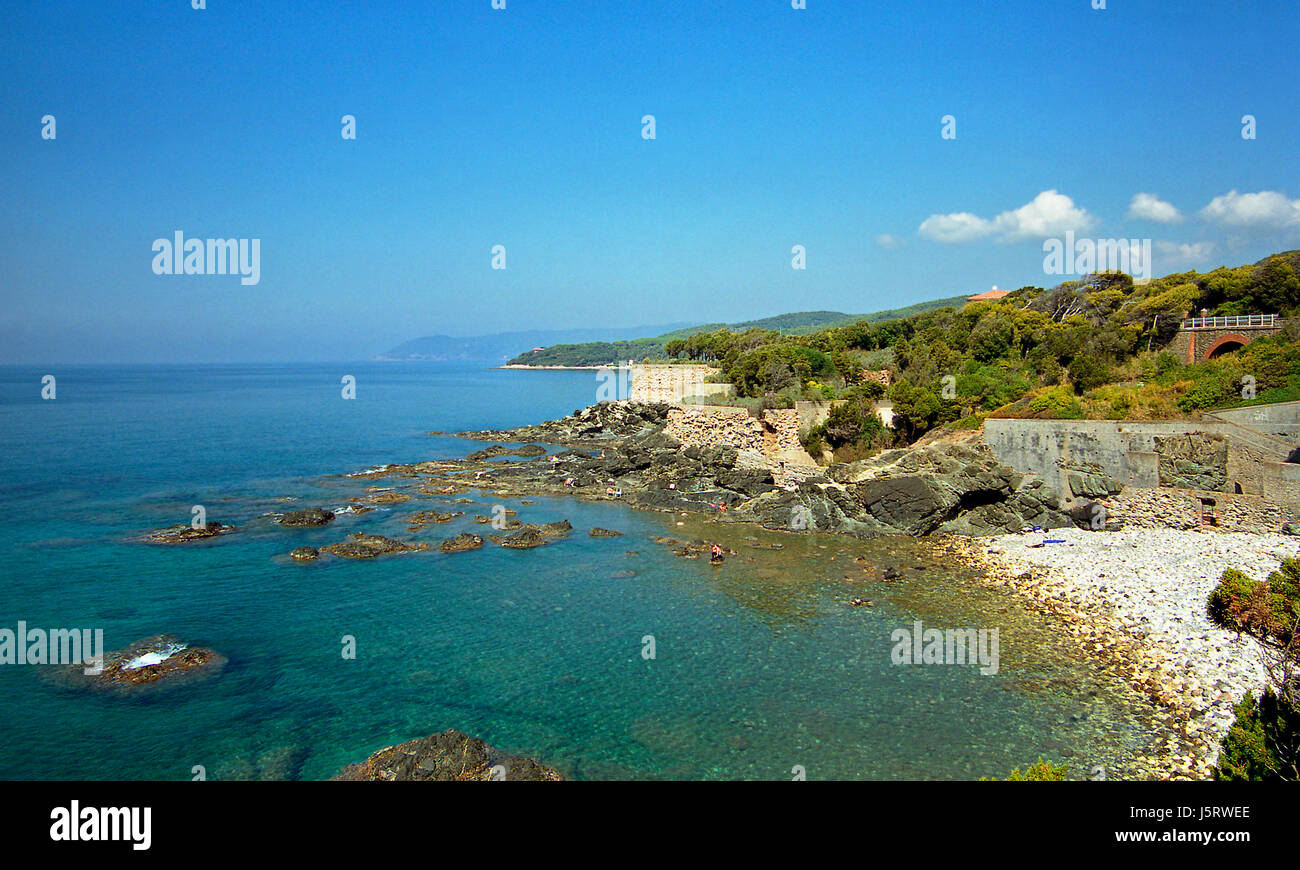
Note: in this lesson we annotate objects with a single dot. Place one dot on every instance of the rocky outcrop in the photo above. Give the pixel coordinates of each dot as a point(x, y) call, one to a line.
point(528, 450)
point(304, 554)
point(943, 486)
point(146, 664)
point(523, 539)
point(306, 517)
point(1193, 461)
point(363, 546)
point(418, 520)
point(381, 496)
point(183, 534)
point(446, 757)
point(598, 532)
point(605, 423)
point(1088, 484)
point(462, 542)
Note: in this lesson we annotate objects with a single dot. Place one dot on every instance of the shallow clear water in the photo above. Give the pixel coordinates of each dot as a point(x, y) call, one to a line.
point(760, 664)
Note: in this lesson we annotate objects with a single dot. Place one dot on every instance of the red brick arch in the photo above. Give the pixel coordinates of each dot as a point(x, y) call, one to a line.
point(1230, 338)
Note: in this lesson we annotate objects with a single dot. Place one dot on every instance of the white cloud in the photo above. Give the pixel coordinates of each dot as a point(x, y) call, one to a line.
point(889, 241)
point(1148, 206)
point(955, 228)
point(1267, 209)
point(1173, 256)
point(1049, 214)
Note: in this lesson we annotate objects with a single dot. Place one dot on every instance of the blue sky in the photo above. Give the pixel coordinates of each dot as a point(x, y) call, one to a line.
point(522, 127)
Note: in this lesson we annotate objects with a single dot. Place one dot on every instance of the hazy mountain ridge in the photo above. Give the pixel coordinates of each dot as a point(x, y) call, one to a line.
point(499, 347)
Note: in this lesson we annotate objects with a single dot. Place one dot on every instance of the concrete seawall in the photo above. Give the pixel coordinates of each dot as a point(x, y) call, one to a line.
point(1214, 455)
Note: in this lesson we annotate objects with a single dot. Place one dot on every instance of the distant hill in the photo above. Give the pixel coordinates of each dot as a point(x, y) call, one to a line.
point(501, 346)
point(595, 353)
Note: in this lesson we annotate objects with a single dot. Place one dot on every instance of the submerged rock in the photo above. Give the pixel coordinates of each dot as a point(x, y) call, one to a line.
point(148, 663)
point(604, 533)
point(449, 756)
point(385, 496)
point(418, 520)
point(306, 517)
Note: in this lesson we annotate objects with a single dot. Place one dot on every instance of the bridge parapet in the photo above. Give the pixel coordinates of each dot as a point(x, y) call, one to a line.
point(1199, 338)
point(1236, 321)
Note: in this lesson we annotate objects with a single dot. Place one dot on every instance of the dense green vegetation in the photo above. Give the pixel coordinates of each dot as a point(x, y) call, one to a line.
point(1092, 348)
point(602, 353)
point(1264, 741)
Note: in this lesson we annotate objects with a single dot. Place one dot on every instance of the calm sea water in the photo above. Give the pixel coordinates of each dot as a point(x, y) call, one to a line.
point(760, 665)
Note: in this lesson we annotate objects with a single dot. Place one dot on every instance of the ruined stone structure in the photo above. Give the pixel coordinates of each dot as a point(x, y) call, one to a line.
point(771, 441)
point(1202, 338)
point(674, 384)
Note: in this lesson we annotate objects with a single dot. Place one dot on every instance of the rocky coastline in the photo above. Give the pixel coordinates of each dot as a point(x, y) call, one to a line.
point(1132, 597)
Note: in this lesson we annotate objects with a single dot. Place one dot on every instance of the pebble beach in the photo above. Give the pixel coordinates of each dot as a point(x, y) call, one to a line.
point(1138, 596)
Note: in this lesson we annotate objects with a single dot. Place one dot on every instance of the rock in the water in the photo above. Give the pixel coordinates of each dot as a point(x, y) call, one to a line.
point(385, 496)
point(460, 543)
point(304, 554)
point(306, 517)
point(446, 757)
point(363, 546)
point(528, 450)
point(604, 533)
point(563, 527)
point(183, 533)
point(149, 663)
point(522, 540)
point(418, 520)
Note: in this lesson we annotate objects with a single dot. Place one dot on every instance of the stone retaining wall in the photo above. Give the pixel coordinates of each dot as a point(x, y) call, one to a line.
point(1145, 508)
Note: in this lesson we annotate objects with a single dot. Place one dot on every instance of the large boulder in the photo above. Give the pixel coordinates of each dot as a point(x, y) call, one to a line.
point(747, 481)
point(914, 503)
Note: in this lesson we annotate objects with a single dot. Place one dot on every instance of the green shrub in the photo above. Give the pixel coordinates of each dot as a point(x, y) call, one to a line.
point(1263, 743)
point(1042, 771)
point(1087, 373)
point(1266, 609)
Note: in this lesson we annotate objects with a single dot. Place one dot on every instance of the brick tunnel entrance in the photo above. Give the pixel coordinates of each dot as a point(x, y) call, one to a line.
point(1227, 344)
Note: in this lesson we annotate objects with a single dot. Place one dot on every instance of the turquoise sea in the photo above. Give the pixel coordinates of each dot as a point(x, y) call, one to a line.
point(759, 667)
